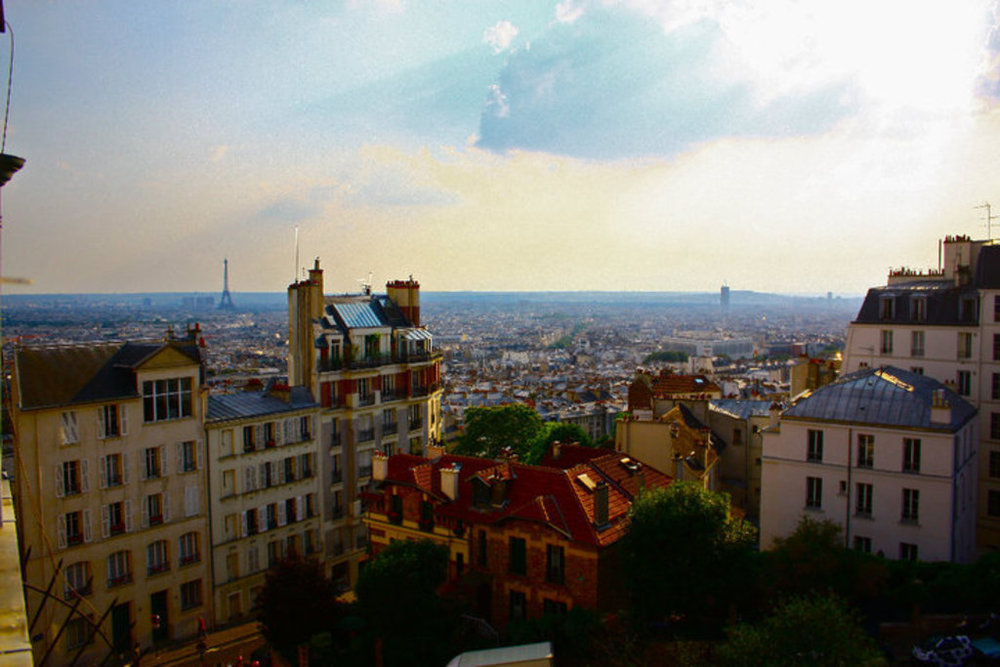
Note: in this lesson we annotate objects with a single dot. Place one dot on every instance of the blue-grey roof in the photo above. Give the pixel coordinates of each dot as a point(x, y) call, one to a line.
point(256, 404)
point(886, 396)
point(741, 408)
point(359, 314)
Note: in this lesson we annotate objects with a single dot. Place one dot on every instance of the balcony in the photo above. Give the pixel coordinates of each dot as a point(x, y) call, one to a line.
point(74, 539)
point(364, 471)
point(416, 424)
point(337, 513)
point(188, 559)
point(387, 396)
point(335, 440)
point(366, 435)
point(389, 429)
point(117, 529)
point(156, 520)
point(329, 365)
point(157, 568)
point(370, 361)
point(120, 580)
point(368, 399)
point(336, 477)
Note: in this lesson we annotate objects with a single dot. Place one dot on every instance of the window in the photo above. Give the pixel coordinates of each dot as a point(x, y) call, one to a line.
point(518, 556)
point(192, 501)
point(887, 308)
point(426, 515)
point(115, 518)
point(71, 478)
point(815, 449)
point(68, 431)
point(995, 425)
point(365, 463)
point(993, 503)
point(964, 345)
point(964, 383)
point(885, 346)
point(188, 548)
point(113, 470)
point(119, 568)
point(310, 505)
point(227, 442)
point(918, 309)
point(967, 309)
point(253, 560)
point(270, 438)
point(365, 395)
point(395, 508)
point(305, 466)
point(917, 344)
point(249, 441)
point(555, 564)
point(482, 549)
point(911, 505)
point(996, 347)
point(863, 544)
point(166, 399)
point(291, 510)
point(388, 387)
point(191, 594)
point(842, 487)
point(416, 420)
point(518, 605)
point(77, 633)
point(153, 463)
point(389, 421)
point(305, 428)
point(74, 528)
point(863, 501)
point(188, 456)
point(275, 552)
point(289, 465)
point(336, 474)
point(907, 551)
point(156, 557)
point(995, 387)
point(919, 370)
point(553, 607)
point(996, 308)
point(814, 492)
point(366, 428)
point(111, 421)
point(77, 580)
point(272, 516)
point(866, 450)
point(911, 454)
point(994, 464)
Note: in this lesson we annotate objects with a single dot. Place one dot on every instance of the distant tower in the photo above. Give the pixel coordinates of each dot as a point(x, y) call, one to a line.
point(724, 298)
point(226, 303)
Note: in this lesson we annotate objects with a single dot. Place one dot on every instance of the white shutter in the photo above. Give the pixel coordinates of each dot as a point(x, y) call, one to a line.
point(123, 411)
point(281, 509)
point(144, 519)
point(100, 422)
point(280, 474)
point(102, 472)
point(105, 521)
point(197, 453)
point(86, 525)
point(300, 508)
point(190, 500)
point(128, 516)
point(258, 440)
point(84, 475)
point(243, 524)
point(262, 518)
point(166, 507)
point(290, 430)
point(60, 489)
point(163, 460)
point(110, 561)
point(61, 530)
point(125, 468)
point(279, 436)
point(142, 464)
point(180, 457)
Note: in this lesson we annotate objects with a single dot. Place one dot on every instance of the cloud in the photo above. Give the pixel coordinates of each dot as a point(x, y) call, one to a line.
point(500, 36)
point(287, 210)
point(568, 11)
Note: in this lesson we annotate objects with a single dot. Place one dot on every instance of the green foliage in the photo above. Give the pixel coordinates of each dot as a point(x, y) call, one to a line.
point(666, 355)
point(581, 637)
point(685, 557)
point(819, 630)
point(488, 430)
point(296, 602)
point(556, 432)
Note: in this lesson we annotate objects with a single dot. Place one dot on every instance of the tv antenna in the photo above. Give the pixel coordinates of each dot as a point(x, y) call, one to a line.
point(366, 283)
point(989, 219)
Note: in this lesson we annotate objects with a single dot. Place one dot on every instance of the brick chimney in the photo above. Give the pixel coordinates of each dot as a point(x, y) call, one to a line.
point(406, 295)
point(449, 480)
point(380, 467)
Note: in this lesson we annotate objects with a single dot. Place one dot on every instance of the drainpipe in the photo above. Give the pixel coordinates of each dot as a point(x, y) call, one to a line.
point(847, 513)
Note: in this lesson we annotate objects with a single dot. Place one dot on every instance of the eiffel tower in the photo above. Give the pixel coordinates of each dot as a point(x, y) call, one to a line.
point(226, 303)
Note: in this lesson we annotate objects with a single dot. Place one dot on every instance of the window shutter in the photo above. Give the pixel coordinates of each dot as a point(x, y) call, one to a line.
point(166, 507)
point(123, 411)
point(111, 568)
point(282, 507)
point(263, 475)
point(163, 460)
point(100, 422)
point(248, 479)
point(180, 456)
point(144, 519)
point(86, 525)
point(105, 521)
point(61, 531)
point(243, 524)
point(190, 500)
point(300, 508)
point(200, 444)
point(142, 464)
point(258, 440)
point(281, 471)
point(262, 518)
point(128, 516)
point(60, 490)
point(84, 475)
point(125, 468)
point(279, 434)
point(102, 472)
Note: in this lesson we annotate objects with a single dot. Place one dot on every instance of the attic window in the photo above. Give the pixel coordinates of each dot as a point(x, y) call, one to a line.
point(587, 481)
point(629, 464)
point(887, 308)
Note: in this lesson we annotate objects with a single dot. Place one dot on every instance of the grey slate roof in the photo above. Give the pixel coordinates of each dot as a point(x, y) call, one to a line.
point(886, 396)
point(943, 304)
point(988, 268)
point(256, 404)
point(741, 408)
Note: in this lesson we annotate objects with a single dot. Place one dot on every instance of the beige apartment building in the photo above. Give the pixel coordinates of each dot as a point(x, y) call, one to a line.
point(945, 324)
point(377, 376)
point(110, 494)
point(265, 489)
point(887, 454)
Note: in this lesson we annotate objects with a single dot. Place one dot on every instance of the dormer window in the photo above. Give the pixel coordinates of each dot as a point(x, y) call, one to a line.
point(967, 309)
point(887, 308)
point(918, 309)
point(480, 493)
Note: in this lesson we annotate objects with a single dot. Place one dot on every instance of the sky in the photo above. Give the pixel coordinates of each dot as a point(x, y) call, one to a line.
point(784, 146)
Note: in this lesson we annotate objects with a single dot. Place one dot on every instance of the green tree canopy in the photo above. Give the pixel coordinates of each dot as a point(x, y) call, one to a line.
point(488, 430)
point(804, 631)
point(296, 602)
point(686, 557)
point(556, 432)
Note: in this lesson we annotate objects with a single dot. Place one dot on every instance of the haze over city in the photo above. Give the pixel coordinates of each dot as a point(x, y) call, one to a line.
point(496, 145)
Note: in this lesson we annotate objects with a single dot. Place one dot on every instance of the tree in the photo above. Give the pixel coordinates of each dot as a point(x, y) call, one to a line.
point(819, 630)
point(488, 430)
point(296, 602)
point(686, 558)
point(397, 598)
point(556, 432)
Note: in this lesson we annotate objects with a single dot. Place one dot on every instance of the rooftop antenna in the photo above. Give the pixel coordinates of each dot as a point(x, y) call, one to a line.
point(295, 269)
point(366, 283)
point(989, 219)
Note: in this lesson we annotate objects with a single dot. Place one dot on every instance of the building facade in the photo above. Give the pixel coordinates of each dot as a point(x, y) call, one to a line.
point(889, 455)
point(377, 376)
point(111, 494)
point(265, 488)
point(945, 324)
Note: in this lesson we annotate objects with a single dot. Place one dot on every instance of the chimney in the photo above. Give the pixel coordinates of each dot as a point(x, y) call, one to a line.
point(449, 480)
point(940, 408)
point(556, 450)
point(406, 295)
point(435, 450)
point(775, 413)
point(380, 467)
point(601, 504)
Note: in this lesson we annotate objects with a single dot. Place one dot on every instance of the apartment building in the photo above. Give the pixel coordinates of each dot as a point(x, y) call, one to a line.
point(945, 324)
point(523, 540)
point(889, 455)
point(265, 489)
point(377, 376)
point(110, 494)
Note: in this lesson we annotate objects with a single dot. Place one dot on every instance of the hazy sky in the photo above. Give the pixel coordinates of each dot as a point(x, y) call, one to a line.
point(785, 145)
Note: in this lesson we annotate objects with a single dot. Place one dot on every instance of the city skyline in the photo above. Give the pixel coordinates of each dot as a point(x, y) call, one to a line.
point(496, 146)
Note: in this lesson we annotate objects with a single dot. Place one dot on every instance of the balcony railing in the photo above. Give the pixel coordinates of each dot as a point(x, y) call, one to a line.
point(368, 399)
point(156, 568)
point(120, 580)
point(416, 424)
point(335, 440)
point(337, 477)
point(187, 559)
point(388, 429)
point(330, 365)
point(376, 360)
point(337, 513)
point(117, 529)
point(387, 396)
point(364, 471)
point(366, 435)
point(75, 539)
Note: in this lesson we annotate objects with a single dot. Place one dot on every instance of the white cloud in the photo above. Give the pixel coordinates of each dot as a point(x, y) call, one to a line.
point(500, 36)
point(568, 11)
